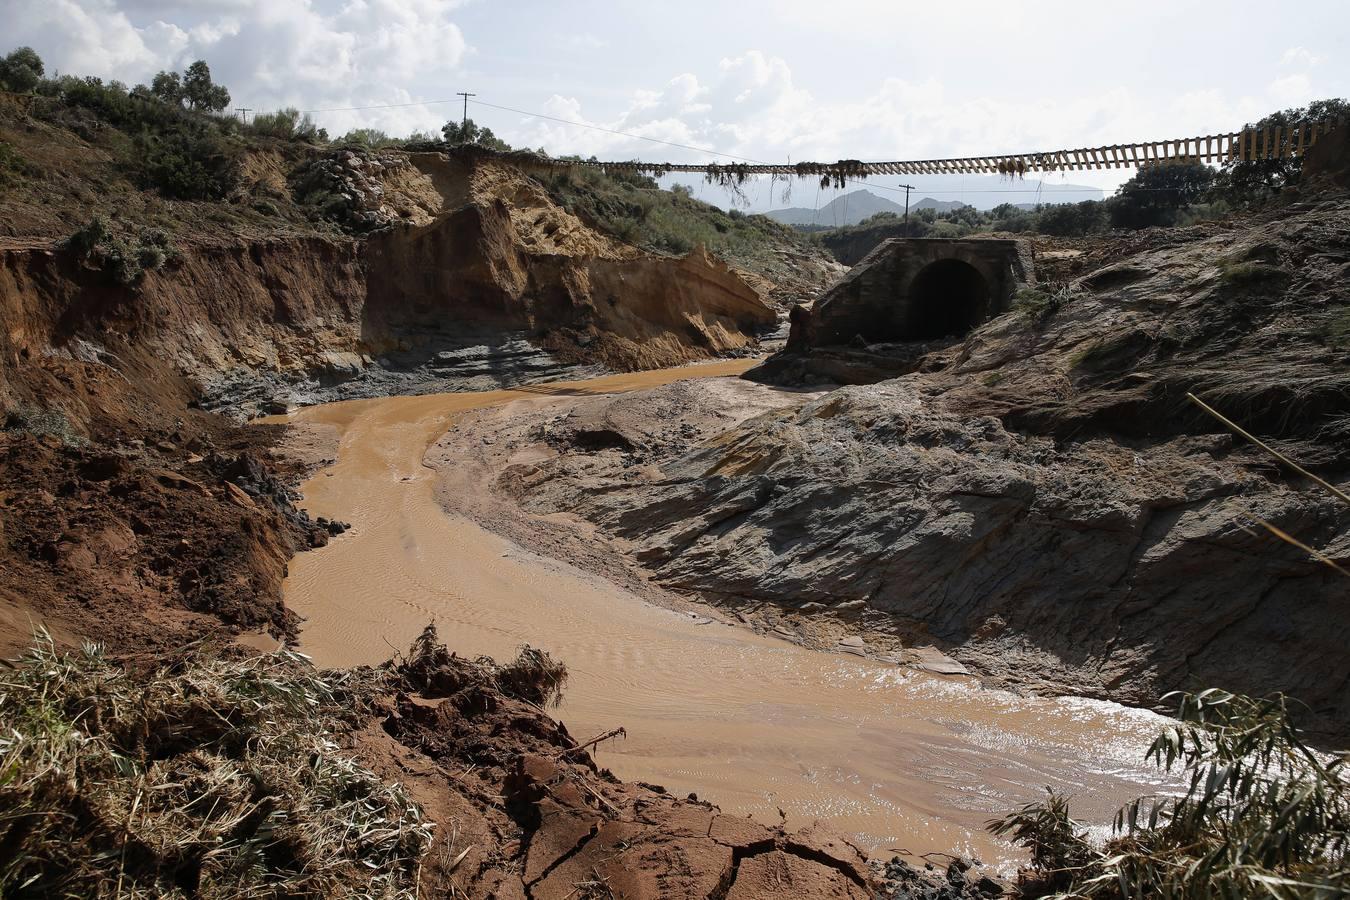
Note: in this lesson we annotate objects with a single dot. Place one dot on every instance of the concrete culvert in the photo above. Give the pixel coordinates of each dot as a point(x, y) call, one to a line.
point(947, 298)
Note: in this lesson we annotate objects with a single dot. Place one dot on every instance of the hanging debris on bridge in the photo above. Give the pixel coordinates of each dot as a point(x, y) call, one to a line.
point(1246, 145)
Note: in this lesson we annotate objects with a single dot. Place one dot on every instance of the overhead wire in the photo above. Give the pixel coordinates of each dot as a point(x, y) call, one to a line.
point(1038, 191)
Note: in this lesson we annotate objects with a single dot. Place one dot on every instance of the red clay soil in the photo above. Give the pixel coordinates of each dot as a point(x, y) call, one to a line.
point(129, 518)
point(141, 548)
point(524, 812)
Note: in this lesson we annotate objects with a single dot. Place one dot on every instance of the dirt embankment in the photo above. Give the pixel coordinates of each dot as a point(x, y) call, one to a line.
point(485, 277)
point(118, 492)
point(526, 812)
point(512, 260)
point(1040, 501)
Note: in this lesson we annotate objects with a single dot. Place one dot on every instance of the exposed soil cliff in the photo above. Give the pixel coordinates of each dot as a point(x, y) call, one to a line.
point(1039, 500)
point(513, 260)
point(289, 319)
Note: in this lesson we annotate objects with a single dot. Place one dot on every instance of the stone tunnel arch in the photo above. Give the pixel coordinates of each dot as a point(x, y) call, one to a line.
point(916, 289)
point(947, 298)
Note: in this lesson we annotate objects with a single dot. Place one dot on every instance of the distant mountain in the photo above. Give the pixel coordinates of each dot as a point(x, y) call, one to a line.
point(854, 207)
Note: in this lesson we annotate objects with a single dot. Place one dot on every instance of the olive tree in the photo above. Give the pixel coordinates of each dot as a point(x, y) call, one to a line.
point(21, 70)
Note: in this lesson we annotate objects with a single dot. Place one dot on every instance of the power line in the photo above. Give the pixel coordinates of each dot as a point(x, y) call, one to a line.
point(706, 150)
point(379, 106)
point(464, 122)
point(626, 134)
point(653, 140)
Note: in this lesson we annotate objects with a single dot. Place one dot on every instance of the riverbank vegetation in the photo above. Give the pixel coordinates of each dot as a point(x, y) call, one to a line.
point(1263, 815)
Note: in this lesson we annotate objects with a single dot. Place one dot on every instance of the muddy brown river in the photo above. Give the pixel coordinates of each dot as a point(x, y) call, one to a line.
point(894, 757)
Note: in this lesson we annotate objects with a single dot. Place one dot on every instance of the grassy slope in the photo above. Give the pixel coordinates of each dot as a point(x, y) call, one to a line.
point(64, 160)
point(636, 210)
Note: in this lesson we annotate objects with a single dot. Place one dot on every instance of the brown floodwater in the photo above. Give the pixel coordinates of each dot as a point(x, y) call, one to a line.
point(893, 757)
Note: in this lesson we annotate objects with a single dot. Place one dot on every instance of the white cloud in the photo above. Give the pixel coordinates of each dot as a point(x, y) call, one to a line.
point(1291, 90)
point(1299, 58)
point(583, 41)
point(750, 106)
point(86, 37)
point(269, 53)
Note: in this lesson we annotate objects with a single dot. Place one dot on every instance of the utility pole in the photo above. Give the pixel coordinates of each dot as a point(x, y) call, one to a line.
point(465, 121)
point(244, 110)
point(908, 188)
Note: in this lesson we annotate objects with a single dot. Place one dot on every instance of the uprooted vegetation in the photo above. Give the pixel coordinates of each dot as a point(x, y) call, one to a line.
point(431, 776)
point(1263, 815)
point(533, 676)
point(208, 778)
point(125, 259)
point(222, 775)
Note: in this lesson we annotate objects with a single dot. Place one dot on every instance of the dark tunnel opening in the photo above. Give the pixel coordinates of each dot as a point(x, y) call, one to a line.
point(946, 299)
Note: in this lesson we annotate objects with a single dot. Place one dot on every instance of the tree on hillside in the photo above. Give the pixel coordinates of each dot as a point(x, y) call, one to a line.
point(1247, 180)
point(367, 137)
point(201, 92)
point(1157, 193)
point(1071, 219)
point(194, 89)
point(167, 86)
point(469, 132)
point(1010, 217)
point(21, 70)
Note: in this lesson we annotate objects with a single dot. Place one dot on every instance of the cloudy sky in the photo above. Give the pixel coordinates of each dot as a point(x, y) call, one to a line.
point(785, 80)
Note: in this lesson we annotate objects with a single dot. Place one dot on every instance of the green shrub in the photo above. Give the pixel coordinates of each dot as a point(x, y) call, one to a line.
point(1263, 815)
point(182, 154)
point(373, 138)
point(1042, 301)
point(13, 167)
point(21, 70)
point(289, 125)
point(124, 260)
point(39, 422)
point(469, 132)
point(187, 163)
point(1250, 273)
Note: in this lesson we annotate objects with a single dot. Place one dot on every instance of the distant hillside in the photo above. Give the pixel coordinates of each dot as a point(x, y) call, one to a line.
point(855, 207)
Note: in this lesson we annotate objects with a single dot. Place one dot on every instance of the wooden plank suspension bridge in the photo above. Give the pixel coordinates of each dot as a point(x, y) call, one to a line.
point(1249, 144)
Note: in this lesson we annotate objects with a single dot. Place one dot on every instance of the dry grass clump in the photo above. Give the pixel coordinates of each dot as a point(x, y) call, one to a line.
point(533, 676)
point(430, 667)
point(209, 778)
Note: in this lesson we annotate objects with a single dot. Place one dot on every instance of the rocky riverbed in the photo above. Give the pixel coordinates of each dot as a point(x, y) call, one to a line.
point(1041, 503)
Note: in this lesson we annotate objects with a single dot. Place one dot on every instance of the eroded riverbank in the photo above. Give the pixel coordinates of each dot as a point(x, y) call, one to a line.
point(895, 757)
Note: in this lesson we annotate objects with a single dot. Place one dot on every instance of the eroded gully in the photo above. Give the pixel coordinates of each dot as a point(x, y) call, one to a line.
point(893, 757)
